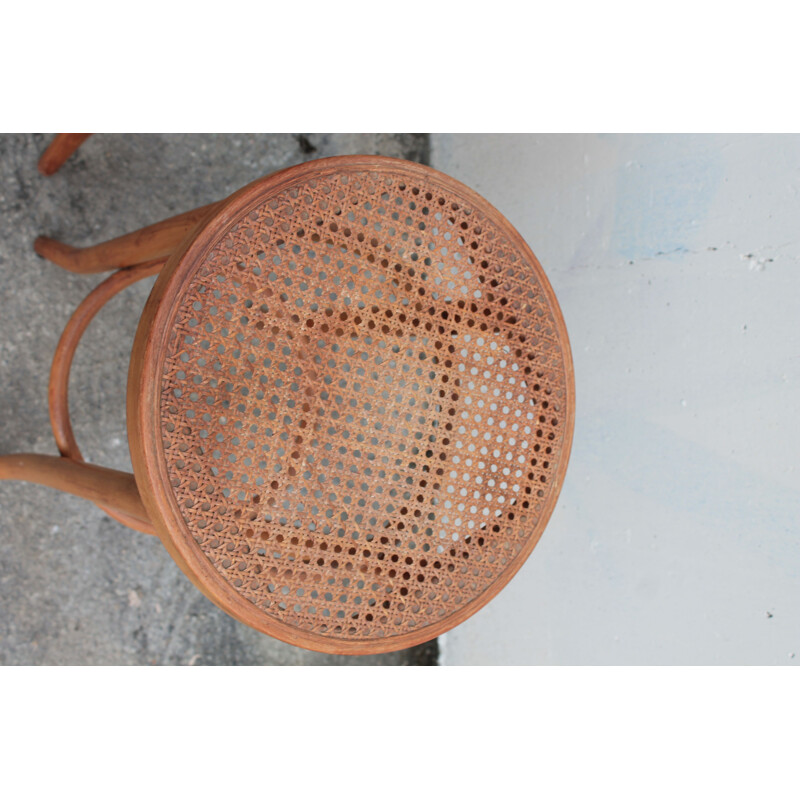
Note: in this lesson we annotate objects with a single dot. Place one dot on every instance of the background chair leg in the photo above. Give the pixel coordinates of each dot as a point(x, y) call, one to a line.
point(106, 487)
point(60, 149)
point(148, 244)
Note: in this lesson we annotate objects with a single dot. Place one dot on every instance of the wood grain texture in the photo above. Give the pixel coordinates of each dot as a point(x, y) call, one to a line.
point(106, 487)
point(148, 244)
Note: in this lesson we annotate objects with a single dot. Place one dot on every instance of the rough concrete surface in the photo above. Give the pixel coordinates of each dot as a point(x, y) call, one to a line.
point(75, 586)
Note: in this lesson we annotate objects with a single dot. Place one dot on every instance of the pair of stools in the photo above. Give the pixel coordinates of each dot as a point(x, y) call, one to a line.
point(350, 400)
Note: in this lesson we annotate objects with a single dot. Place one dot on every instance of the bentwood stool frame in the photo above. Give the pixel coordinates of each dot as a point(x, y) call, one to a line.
point(350, 400)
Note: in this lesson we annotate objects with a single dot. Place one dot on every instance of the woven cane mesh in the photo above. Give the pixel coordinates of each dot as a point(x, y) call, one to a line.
point(363, 403)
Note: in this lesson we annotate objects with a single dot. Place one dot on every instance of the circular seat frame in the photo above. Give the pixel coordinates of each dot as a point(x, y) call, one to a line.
point(156, 339)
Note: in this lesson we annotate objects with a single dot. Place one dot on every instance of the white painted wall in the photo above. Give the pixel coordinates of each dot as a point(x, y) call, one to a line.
point(676, 260)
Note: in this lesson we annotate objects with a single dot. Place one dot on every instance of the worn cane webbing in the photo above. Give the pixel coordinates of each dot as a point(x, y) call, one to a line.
point(364, 402)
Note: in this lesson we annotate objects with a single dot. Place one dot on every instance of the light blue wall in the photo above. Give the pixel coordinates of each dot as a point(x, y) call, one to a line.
point(676, 260)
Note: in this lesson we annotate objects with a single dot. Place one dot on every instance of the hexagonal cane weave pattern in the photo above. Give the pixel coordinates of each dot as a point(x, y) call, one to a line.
point(364, 402)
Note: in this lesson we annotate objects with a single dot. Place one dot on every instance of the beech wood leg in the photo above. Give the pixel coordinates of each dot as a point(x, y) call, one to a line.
point(106, 487)
point(60, 149)
point(113, 491)
point(148, 244)
point(58, 394)
point(58, 391)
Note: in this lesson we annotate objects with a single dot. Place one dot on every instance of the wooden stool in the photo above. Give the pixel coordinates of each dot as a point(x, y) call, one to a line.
point(350, 401)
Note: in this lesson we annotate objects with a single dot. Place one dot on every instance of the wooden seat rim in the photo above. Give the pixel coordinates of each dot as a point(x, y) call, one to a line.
point(144, 398)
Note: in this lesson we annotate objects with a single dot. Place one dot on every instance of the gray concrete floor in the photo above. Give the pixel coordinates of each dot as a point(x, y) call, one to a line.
point(75, 586)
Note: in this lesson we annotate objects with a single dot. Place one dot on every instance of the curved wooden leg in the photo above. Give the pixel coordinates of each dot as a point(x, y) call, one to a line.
point(58, 391)
point(148, 244)
point(58, 394)
point(60, 149)
point(113, 491)
point(106, 487)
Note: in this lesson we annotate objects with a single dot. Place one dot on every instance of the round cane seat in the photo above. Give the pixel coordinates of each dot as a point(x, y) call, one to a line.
point(352, 399)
